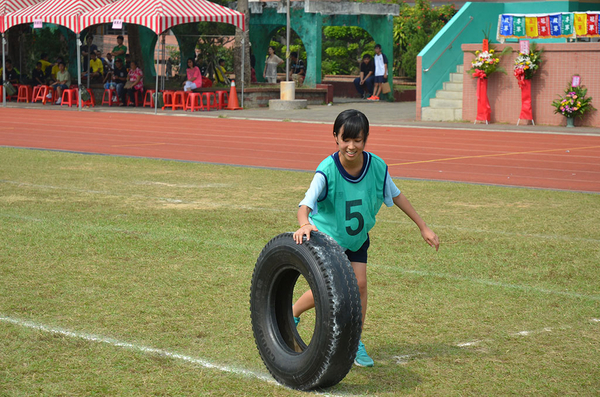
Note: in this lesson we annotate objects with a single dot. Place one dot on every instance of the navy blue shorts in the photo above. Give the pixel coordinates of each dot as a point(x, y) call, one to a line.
point(361, 254)
point(379, 79)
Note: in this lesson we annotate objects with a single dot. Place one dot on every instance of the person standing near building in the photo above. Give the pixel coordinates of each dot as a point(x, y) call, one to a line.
point(120, 49)
point(381, 72)
point(270, 72)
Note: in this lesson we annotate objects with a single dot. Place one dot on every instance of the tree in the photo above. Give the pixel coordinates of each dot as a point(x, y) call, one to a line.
point(413, 29)
point(343, 48)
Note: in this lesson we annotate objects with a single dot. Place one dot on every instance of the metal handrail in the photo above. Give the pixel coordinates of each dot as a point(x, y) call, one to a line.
point(449, 45)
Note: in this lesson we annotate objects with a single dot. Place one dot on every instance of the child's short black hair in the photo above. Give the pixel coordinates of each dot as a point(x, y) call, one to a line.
point(38, 64)
point(221, 61)
point(353, 122)
point(378, 46)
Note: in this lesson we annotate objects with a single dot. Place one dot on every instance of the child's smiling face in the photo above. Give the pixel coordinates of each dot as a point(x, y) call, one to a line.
point(350, 148)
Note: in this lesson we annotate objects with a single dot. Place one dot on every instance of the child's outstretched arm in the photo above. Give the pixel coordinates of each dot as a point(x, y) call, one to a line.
point(305, 226)
point(428, 235)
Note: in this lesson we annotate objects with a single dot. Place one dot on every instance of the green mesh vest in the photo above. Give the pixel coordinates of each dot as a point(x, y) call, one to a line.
point(348, 210)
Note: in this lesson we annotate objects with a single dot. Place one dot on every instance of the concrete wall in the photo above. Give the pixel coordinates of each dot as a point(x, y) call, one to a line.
point(560, 61)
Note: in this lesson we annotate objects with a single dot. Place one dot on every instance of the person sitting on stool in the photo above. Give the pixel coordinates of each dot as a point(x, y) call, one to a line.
point(367, 77)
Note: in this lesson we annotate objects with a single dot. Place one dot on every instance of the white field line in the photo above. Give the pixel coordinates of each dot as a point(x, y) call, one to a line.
point(252, 208)
point(492, 283)
point(146, 350)
point(405, 359)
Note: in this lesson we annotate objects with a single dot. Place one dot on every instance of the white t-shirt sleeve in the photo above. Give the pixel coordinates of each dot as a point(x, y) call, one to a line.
point(391, 191)
point(315, 192)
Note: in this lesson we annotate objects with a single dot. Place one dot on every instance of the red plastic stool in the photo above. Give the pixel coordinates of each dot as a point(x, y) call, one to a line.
point(111, 93)
point(24, 94)
point(194, 102)
point(208, 96)
point(168, 99)
point(149, 98)
point(223, 99)
point(69, 97)
point(179, 98)
point(39, 93)
point(137, 98)
point(89, 102)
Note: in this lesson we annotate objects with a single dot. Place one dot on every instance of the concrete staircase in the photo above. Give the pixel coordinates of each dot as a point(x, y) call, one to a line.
point(447, 104)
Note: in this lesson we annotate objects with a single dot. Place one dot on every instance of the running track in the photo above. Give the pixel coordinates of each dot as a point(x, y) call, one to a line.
point(551, 161)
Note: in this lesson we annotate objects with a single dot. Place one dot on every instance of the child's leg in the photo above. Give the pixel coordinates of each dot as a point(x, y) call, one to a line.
point(360, 271)
point(377, 89)
point(304, 303)
point(307, 301)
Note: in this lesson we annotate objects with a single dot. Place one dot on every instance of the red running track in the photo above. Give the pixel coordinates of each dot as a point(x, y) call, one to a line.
point(566, 162)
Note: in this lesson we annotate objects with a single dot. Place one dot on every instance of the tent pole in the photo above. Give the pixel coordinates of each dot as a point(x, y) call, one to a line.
point(3, 72)
point(163, 68)
point(243, 64)
point(156, 92)
point(79, 69)
point(88, 63)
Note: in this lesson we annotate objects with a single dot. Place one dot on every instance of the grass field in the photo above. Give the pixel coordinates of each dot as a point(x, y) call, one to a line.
point(128, 276)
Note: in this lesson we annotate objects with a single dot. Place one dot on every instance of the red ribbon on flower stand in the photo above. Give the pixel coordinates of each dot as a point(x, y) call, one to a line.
point(484, 111)
point(526, 112)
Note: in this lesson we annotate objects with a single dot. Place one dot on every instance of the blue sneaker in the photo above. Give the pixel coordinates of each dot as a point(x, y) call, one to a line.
point(362, 358)
point(296, 321)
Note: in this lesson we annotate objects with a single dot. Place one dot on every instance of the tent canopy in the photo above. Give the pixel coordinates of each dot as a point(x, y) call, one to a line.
point(59, 12)
point(160, 15)
point(8, 6)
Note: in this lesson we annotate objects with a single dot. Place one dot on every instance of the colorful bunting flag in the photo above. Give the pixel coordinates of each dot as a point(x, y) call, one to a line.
point(531, 26)
point(564, 24)
point(580, 22)
point(506, 25)
point(567, 24)
point(543, 26)
point(592, 24)
point(519, 26)
point(555, 25)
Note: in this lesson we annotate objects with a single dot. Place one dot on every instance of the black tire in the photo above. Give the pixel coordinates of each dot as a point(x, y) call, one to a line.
point(328, 357)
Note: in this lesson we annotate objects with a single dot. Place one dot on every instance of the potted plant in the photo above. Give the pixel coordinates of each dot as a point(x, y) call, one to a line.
point(574, 102)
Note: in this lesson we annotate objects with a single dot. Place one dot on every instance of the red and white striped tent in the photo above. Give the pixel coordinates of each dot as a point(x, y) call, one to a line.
point(59, 12)
point(160, 15)
point(8, 6)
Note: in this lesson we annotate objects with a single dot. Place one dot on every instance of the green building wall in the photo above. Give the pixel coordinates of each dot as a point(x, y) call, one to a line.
point(309, 27)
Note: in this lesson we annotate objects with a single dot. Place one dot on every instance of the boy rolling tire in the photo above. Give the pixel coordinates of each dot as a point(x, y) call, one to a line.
point(328, 357)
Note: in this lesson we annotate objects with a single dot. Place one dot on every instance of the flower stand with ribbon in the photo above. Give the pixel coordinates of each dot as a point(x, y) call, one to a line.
point(526, 111)
point(485, 63)
point(526, 64)
point(484, 110)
